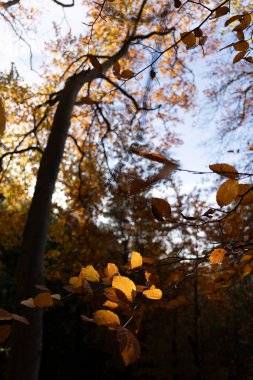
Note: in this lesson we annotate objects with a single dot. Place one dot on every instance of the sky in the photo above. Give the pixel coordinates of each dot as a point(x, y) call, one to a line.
point(193, 154)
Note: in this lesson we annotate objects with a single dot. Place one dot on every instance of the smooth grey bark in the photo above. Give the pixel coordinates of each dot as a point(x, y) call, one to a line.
point(26, 343)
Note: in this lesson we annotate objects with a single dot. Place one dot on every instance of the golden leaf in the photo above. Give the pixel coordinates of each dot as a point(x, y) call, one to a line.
point(128, 345)
point(127, 74)
point(136, 260)
point(241, 45)
point(43, 300)
point(77, 282)
point(225, 170)
point(217, 255)
point(227, 192)
point(153, 293)
point(111, 270)
point(2, 118)
point(126, 285)
point(89, 273)
point(106, 318)
point(110, 304)
point(189, 39)
point(247, 198)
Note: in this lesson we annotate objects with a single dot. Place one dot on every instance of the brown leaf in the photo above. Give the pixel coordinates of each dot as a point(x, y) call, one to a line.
point(2, 118)
point(198, 32)
point(232, 19)
point(246, 199)
point(116, 69)
point(5, 331)
point(127, 74)
point(222, 11)
point(189, 39)
point(137, 185)
point(225, 170)
point(95, 63)
point(161, 209)
point(116, 295)
point(189, 217)
point(177, 3)
point(227, 192)
point(241, 45)
point(239, 56)
point(21, 319)
point(128, 345)
point(5, 315)
point(202, 40)
point(87, 100)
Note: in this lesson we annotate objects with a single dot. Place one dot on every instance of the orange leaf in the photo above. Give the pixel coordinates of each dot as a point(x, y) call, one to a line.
point(127, 74)
point(217, 255)
point(225, 170)
point(153, 293)
point(227, 192)
point(89, 273)
point(239, 56)
point(43, 300)
point(241, 45)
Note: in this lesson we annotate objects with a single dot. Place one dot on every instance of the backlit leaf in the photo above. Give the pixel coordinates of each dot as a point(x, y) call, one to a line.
point(76, 282)
point(217, 255)
point(225, 170)
point(136, 260)
point(110, 304)
point(89, 273)
point(227, 192)
point(241, 45)
point(111, 270)
point(239, 56)
point(127, 74)
point(128, 345)
point(189, 39)
point(153, 293)
point(246, 199)
point(43, 300)
point(161, 209)
point(126, 285)
point(116, 295)
point(106, 318)
point(95, 62)
point(222, 11)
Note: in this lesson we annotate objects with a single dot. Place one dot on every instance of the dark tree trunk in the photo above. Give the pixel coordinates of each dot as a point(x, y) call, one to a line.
point(27, 340)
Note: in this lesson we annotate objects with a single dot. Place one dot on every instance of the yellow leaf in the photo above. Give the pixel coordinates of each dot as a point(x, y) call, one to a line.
point(110, 304)
point(77, 282)
point(106, 318)
point(128, 345)
point(227, 192)
point(2, 118)
point(225, 170)
point(111, 270)
point(43, 300)
point(239, 56)
point(247, 198)
point(126, 285)
point(127, 74)
point(28, 303)
point(153, 293)
point(136, 260)
point(89, 273)
point(189, 39)
point(217, 255)
point(241, 45)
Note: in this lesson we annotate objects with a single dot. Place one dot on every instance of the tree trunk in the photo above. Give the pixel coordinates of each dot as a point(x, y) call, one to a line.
point(26, 344)
point(27, 340)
